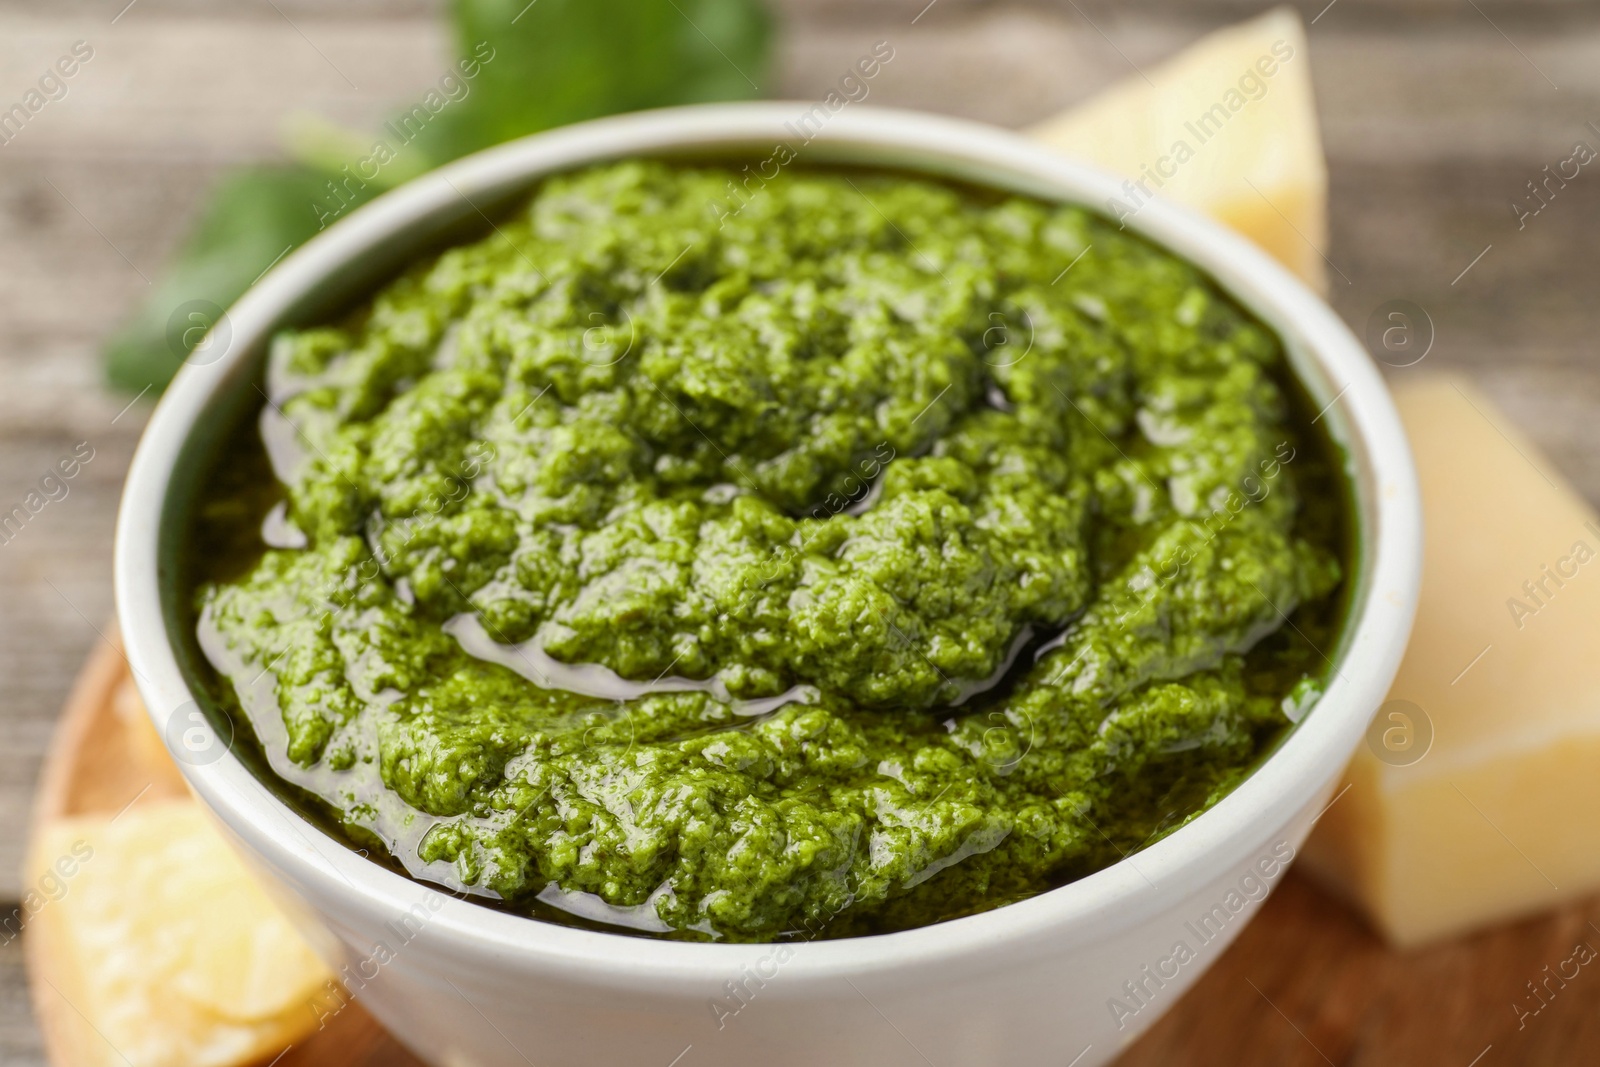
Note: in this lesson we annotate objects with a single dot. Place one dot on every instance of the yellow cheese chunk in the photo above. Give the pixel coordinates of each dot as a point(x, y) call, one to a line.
point(157, 949)
point(1474, 798)
point(1227, 126)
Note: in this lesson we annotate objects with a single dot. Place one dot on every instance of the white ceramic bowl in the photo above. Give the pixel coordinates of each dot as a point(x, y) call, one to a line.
point(1067, 977)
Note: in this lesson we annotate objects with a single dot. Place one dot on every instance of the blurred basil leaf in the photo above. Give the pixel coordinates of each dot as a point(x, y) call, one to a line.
point(537, 65)
point(253, 218)
point(565, 61)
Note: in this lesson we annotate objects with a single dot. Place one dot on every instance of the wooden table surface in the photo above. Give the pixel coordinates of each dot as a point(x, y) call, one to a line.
point(1435, 114)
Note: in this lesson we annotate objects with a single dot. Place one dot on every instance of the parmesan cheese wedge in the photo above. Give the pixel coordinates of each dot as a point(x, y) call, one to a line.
point(164, 951)
point(1227, 126)
point(1474, 797)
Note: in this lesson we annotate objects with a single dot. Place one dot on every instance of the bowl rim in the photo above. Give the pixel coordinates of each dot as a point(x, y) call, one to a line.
point(1271, 802)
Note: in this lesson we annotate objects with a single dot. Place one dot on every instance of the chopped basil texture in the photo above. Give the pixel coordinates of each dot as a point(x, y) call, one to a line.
point(740, 558)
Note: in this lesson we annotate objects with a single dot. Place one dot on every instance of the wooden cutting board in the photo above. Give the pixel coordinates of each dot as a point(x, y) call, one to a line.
point(101, 762)
point(1305, 984)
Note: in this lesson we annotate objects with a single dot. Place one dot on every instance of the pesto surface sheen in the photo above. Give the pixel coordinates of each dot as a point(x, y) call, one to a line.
point(876, 554)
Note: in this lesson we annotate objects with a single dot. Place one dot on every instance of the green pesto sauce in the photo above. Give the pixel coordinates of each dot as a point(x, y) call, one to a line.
point(879, 553)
